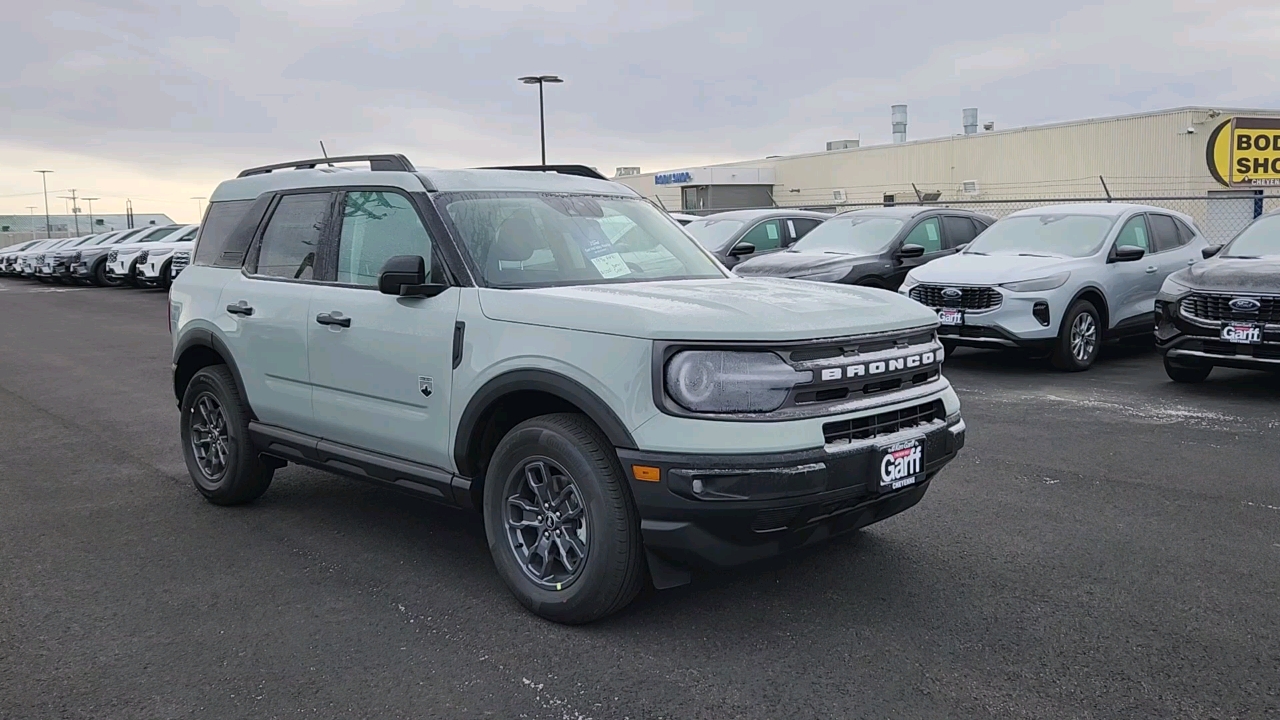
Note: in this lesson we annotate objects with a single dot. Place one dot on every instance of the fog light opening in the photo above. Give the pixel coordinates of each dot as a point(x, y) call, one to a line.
point(1041, 313)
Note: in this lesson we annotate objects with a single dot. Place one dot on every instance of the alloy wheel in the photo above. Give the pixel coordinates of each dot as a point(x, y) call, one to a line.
point(210, 441)
point(546, 522)
point(1084, 337)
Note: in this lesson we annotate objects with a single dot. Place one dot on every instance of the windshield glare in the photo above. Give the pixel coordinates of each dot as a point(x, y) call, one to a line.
point(853, 234)
point(1048, 234)
point(713, 234)
point(522, 240)
point(1261, 239)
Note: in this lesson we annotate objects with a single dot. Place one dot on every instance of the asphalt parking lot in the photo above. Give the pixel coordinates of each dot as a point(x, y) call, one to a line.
point(1106, 546)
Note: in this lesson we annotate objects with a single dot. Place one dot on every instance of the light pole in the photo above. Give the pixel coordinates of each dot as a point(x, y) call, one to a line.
point(199, 206)
point(90, 201)
point(32, 213)
point(48, 226)
point(541, 80)
point(75, 209)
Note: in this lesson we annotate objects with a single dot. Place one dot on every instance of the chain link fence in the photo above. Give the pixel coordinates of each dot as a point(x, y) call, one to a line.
point(1218, 215)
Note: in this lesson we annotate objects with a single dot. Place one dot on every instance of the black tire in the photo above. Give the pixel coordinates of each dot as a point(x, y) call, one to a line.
point(243, 476)
point(1186, 373)
point(612, 571)
point(165, 280)
point(949, 348)
point(1066, 354)
point(100, 277)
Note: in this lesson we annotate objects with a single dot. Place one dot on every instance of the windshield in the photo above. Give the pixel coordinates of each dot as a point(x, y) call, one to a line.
point(1047, 235)
point(713, 234)
point(852, 234)
point(1261, 239)
point(522, 240)
point(157, 235)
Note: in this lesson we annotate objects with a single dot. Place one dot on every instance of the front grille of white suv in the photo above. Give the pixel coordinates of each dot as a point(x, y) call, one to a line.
point(180, 261)
point(969, 298)
point(113, 256)
point(142, 256)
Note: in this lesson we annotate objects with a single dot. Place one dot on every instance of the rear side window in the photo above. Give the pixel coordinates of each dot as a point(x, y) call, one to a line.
point(220, 221)
point(1163, 232)
point(1185, 234)
point(804, 225)
point(291, 241)
point(959, 230)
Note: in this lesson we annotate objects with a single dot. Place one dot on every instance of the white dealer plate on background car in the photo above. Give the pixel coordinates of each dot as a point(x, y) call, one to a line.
point(1244, 333)
point(951, 317)
point(901, 464)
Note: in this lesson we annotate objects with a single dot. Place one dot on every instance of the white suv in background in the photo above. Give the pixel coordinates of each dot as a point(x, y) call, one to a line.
point(153, 266)
point(121, 259)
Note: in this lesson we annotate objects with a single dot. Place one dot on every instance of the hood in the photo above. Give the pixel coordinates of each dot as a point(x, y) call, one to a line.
point(968, 269)
point(719, 309)
point(797, 264)
point(1229, 275)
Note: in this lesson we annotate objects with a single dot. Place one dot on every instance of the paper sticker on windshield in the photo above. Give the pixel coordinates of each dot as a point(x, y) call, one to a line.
point(611, 266)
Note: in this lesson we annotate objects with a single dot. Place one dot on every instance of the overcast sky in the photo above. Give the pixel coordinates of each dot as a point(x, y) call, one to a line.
point(160, 101)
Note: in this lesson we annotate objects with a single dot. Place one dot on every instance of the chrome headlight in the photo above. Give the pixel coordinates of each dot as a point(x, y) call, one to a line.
point(1051, 282)
point(714, 381)
point(162, 252)
point(1172, 288)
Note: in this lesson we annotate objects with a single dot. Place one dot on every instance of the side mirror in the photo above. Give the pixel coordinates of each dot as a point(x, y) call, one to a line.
point(406, 276)
point(911, 251)
point(1211, 251)
point(1127, 253)
point(742, 248)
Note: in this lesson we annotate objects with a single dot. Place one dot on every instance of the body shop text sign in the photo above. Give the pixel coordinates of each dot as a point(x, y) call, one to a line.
point(1245, 152)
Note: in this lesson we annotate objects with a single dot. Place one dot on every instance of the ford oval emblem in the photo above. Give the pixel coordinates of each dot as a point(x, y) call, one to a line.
point(951, 293)
point(1246, 305)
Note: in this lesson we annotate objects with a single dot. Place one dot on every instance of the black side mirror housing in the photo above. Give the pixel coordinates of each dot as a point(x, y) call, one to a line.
point(1127, 253)
point(742, 248)
point(1211, 251)
point(406, 276)
point(911, 250)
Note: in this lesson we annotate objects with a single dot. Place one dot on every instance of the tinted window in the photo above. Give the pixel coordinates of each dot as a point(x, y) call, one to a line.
point(219, 221)
point(1163, 232)
point(1185, 234)
point(928, 235)
point(377, 226)
point(292, 237)
point(959, 230)
point(804, 225)
point(1134, 233)
point(765, 236)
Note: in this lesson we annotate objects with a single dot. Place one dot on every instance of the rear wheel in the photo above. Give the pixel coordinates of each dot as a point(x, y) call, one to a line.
point(1186, 373)
point(1079, 339)
point(562, 528)
point(222, 461)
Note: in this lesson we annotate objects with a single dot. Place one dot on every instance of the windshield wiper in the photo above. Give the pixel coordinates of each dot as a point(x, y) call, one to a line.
point(974, 252)
point(1038, 255)
point(1243, 257)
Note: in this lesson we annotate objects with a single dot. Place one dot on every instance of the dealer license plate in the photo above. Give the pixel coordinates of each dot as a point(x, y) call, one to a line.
point(951, 317)
point(1243, 333)
point(901, 464)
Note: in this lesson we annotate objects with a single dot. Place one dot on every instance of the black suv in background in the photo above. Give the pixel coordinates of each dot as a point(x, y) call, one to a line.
point(875, 247)
point(1224, 311)
point(739, 235)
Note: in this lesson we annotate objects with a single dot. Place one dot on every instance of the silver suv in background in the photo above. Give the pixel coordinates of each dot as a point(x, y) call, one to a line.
point(1060, 278)
point(548, 347)
point(739, 235)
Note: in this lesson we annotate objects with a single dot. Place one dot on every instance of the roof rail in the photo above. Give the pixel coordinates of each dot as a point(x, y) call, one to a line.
point(377, 163)
point(579, 170)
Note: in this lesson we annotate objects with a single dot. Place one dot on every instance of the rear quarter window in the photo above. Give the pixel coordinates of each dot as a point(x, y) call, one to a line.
point(220, 223)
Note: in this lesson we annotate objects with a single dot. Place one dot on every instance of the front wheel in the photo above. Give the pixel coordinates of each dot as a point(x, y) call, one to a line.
point(100, 277)
point(1186, 373)
point(164, 281)
point(221, 459)
point(1079, 339)
point(562, 528)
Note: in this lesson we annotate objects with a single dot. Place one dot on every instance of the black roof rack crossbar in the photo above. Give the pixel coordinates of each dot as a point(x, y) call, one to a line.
point(579, 170)
point(379, 163)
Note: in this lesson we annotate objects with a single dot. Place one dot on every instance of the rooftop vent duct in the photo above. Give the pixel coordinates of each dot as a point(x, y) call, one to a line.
point(626, 171)
point(970, 121)
point(899, 123)
point(842, 144)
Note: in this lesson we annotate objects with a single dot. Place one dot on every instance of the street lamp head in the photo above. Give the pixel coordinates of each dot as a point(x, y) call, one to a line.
point(539, 79)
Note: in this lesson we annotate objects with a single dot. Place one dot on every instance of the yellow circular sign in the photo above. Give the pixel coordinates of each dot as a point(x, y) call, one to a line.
point(1245, 152)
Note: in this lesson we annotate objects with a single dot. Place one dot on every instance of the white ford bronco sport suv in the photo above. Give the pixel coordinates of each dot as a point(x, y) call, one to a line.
point(549, 348)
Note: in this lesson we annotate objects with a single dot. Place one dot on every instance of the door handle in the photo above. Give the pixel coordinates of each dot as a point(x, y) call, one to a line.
point(240, 308)
point(1151, 269)
point(333, 319)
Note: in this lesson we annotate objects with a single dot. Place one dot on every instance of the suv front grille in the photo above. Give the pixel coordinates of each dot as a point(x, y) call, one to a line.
point(142, 256)
point(971, 298)
point(180, 261)
point(113, 256)
point(39, 259)
point(1217, 308)
point(886, 423)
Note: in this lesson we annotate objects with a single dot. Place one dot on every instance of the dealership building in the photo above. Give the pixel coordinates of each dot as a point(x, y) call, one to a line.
point(1222, 162)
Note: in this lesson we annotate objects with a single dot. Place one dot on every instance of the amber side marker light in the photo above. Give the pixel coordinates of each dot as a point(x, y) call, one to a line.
point(646, 473)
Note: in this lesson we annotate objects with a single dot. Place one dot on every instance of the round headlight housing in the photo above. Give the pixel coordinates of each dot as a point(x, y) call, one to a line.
point(718, 381)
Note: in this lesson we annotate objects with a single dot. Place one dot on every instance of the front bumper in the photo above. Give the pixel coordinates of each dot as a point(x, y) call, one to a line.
point(723, 510)
point(1200, 343)
point(150, 271)
point(1013, 324)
